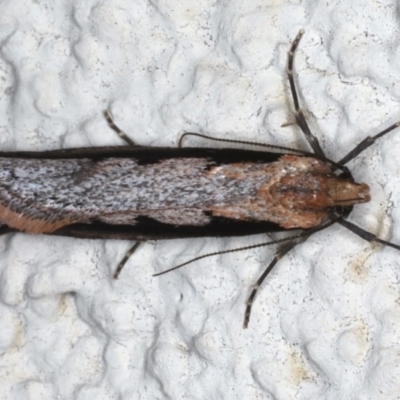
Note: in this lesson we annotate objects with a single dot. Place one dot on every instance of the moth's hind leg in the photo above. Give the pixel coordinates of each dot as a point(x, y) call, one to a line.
point(120, 133)
point(300, 119)
point(125, 259)
point(131, 143)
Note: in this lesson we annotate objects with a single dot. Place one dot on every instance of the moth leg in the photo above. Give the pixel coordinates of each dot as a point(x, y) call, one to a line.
point(300, 119)
point(282, 251)
point(125, 259)
point(368, 236)
point(131, 143)
point(367, 142)
point(120, 133)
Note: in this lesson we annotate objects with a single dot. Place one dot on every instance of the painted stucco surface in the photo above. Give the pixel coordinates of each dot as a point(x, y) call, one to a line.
point(325, 325)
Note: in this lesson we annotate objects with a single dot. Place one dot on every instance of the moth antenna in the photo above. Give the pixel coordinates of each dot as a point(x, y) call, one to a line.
point(270, 146)
point(119, 132)
point(307, 233)
point(367, 142)
point(254, 246)
point(368, 236)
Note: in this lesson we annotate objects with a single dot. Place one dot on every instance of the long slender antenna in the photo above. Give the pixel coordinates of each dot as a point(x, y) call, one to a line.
point(216, 253)
point(270, 146)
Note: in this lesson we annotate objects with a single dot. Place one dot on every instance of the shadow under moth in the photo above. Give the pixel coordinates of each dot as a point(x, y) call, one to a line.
point(141, 193)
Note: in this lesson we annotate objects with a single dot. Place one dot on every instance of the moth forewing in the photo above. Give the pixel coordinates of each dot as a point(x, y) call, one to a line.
point(153, 193)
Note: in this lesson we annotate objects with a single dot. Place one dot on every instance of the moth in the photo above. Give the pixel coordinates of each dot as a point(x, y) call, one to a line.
point(141, 193)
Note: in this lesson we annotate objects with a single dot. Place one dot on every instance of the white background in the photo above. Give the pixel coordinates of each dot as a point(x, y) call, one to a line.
point(325, 324)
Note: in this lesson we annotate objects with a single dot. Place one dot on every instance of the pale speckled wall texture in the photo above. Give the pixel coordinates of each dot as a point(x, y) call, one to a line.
point(326, 324)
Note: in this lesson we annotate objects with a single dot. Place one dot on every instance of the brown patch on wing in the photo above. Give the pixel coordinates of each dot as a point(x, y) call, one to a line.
point(30, 224)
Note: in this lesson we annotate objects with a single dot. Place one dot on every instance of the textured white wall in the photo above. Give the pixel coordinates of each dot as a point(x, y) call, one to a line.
point(325, 325)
